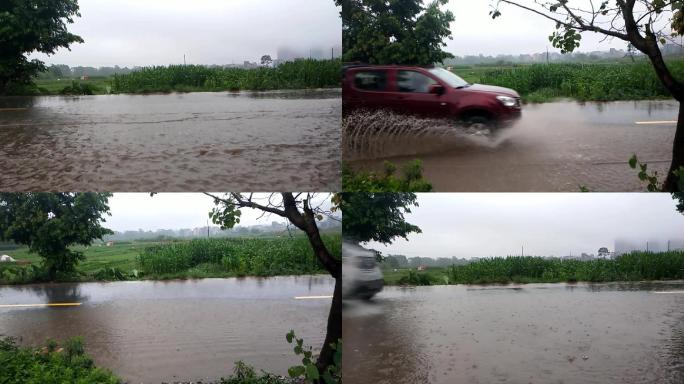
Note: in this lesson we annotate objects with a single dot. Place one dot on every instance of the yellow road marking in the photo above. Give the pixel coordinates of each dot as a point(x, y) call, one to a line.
point(655, 122)
point(39, 305)
point(12, 109)
point(312, 297)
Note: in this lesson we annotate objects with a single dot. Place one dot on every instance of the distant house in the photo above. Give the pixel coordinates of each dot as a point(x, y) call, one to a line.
point(421, 268)
point(603, 253)
point(110, 243)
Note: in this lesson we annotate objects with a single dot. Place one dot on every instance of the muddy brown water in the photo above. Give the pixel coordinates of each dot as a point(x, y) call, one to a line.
point(149, 332)
point(554, 147)
point(537, 333)
point(177, 142)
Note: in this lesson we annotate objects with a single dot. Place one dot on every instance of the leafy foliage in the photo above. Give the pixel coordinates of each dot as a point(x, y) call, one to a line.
point(48, 223)
point(28, 26)
point(53, 364)
point(411, 181)
point(308, 369)
point(395, 32)
point(679, 196)
point(377, 216)
point(653, 185)
point(299, 74)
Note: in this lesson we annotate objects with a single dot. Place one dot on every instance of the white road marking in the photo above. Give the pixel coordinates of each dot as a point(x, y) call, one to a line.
point(655, 122)
point(668, 291)
point(312, 297)
point(40, 305)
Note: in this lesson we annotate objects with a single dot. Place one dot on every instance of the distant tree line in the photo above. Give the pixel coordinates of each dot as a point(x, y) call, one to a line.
point(401, 261)
point(213, 231)
point(62, 71)
point(612, 55)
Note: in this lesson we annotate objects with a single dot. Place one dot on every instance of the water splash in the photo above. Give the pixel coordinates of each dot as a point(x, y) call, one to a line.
point(381, 134)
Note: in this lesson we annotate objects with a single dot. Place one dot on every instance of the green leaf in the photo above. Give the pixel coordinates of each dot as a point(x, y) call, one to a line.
point(296, 371)
point(633, 161)
point(289, 336)
point(312, 372)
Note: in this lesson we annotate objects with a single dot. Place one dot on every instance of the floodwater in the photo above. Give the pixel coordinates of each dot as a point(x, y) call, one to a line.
point(177, 142)
point(149, 332)
point(537, 333)
point(554, 147)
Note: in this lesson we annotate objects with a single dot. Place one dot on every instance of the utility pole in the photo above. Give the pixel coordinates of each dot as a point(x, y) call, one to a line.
point(184, 62)
point(547, 54)
point(332, 53)
point(647, 247)
point(208, 228)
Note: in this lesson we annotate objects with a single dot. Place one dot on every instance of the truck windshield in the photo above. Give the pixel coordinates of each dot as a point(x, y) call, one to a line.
point(449, 77)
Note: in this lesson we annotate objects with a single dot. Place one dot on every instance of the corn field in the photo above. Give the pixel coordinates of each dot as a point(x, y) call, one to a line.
point(239, 256)
point(629, 267)
point(587, 82)
point(299, 74)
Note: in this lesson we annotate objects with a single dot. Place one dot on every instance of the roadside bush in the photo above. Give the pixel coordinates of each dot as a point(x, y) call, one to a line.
point(416, 278)
point(50, 365)
point(411, 179)
point(77, 88)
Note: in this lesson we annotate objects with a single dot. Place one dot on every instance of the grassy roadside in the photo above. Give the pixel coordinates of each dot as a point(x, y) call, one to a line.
point(180, 259)
point(635, 266)
point(538, 83)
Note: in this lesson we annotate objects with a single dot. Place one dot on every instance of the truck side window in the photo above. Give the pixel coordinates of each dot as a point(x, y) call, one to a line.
point(412, 81)
point(371, 80)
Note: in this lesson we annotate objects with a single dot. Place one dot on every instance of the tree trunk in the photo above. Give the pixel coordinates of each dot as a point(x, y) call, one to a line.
point(677, 154)
point(334, 329)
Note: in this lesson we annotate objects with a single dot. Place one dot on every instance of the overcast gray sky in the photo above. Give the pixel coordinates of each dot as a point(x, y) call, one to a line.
point(133, 211)
point(159, 32)
point(515, 31)
point(546, 224)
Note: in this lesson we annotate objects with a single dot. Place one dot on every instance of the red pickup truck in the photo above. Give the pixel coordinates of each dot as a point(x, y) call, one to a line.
point(429, 92)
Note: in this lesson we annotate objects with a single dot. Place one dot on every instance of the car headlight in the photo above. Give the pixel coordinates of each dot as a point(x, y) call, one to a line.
point(507, 101)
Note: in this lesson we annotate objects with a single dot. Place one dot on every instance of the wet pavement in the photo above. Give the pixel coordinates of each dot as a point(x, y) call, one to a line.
point(554, 147)
point(221, 141)
point(537, 333)
point(149, 332)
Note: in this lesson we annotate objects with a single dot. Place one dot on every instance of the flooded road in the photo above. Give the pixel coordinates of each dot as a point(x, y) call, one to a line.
point(554, 147)
point(177, 142)
point(537, 333)
point(149, 332)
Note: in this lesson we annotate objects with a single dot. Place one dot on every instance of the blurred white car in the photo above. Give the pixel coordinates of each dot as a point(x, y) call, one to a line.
point(361, 276)
point(6, 259)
